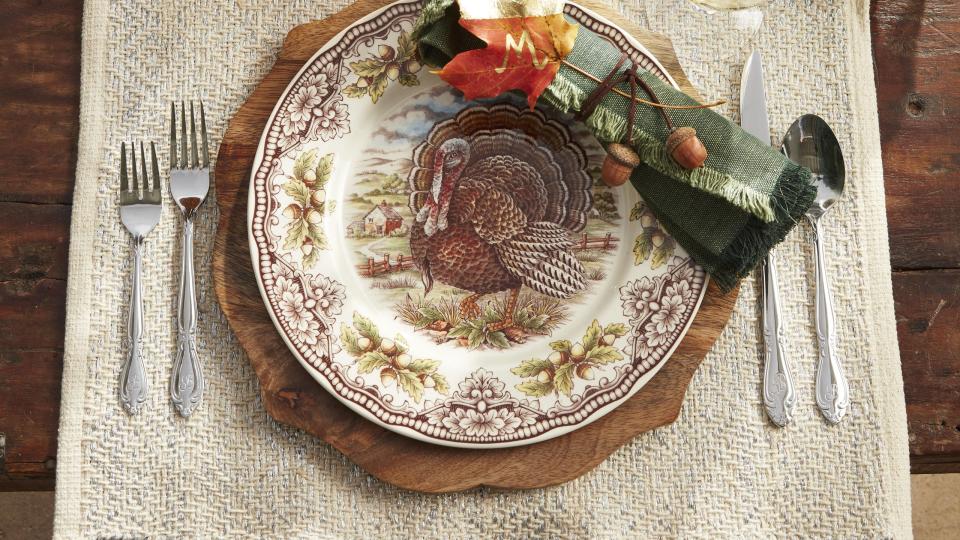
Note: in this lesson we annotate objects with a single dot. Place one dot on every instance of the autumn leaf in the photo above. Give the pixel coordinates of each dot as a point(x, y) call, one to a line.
point(531, 368)
point(617, 329)
point(372, 360)
point(535, 389)
point(440, 383)
point(298, 191)
point(604, 355)
point(295, 235)
point(642, 247)
point(563, 379)
point(592, 335)
point(411, 384)
point(349, 339)
point(522, 53)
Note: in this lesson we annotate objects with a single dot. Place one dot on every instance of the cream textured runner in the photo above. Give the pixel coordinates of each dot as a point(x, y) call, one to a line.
point(720, 471)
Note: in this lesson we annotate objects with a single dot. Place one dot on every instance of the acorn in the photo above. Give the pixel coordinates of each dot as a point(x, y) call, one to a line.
point(657, 239)
point(388, 376)
point(310, 178)
point(314, 217)
point(608, 339)
point(403, 360)
point(412, 66)
point(317, 198)
point(429, 382)
point(544, 376)
point(585, 371)
point(577, 352)
point(685, 148)
point(388, 347)
point(556, 358)
point(364, 344)
point(293, 212)
point(387, 52)
point(619, 164)
point(393, 71)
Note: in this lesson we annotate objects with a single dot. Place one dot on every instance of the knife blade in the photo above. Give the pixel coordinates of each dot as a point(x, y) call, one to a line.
point(779, 393)
point(753, 100)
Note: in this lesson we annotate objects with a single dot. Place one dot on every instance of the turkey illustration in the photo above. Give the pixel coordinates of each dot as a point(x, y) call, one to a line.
point(496, 191)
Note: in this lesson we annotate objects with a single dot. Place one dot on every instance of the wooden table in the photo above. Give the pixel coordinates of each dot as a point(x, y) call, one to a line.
point(916, 44)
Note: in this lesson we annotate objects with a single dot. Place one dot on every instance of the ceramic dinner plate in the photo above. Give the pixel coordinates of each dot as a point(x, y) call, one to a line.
point(456, 271)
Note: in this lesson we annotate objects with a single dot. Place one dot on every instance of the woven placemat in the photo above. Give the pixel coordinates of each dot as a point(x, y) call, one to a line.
point(720, 470)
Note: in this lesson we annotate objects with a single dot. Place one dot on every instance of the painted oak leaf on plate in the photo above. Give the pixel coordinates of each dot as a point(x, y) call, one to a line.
point(522, 53)
point(652, 243)
point(556, 373)
point(387, 64)
point(305, 186)
point(390, 358)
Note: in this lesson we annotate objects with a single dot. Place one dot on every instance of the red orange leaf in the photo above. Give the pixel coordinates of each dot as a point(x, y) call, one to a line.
point(522, 53)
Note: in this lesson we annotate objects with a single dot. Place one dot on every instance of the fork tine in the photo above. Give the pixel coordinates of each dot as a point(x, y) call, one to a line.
point(156, 169)
point(183, 136)
point(133, 156)
point(143, 169)
point(203, 135)
point(124, 184)
point(173, 135)
point(193, 138)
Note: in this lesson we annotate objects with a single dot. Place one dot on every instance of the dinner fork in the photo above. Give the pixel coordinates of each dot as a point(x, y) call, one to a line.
point(189, 183)
point(140, 213)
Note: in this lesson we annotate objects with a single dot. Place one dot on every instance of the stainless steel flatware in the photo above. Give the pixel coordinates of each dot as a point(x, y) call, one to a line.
point(189, 183)
point(779, 392)
point(811, 143)
point(140, 213)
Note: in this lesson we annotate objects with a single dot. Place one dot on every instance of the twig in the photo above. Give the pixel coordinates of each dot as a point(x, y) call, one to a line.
point(641, 100)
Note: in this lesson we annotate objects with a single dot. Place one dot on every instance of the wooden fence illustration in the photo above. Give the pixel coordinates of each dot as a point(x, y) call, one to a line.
point(375, 267)
point(385, 264)
point(605, 242)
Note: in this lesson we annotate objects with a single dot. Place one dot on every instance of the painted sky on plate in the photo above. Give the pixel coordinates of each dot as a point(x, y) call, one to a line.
point(391, 145)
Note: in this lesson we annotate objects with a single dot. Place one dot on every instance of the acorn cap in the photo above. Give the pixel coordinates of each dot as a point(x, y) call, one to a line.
point(623, 154)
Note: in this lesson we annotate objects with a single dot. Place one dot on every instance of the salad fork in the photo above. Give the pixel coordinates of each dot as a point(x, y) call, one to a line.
point(140, 213)
point(189, 183)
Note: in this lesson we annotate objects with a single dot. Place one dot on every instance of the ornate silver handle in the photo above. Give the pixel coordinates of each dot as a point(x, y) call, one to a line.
point(133, 376)
point(832, 389)
point(186, 382)
point(779, 393)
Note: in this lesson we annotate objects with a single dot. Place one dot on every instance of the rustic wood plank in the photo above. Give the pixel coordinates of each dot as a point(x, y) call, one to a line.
point(291, 396)
point(39, 115)
point(916, 46)
point(928, 315)
point(33, 241)
point(29, 411)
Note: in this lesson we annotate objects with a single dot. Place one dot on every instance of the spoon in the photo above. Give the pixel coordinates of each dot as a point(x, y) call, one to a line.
point(810, 142)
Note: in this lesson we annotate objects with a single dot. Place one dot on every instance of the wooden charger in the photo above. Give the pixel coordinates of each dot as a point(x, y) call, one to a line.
point(293, 397)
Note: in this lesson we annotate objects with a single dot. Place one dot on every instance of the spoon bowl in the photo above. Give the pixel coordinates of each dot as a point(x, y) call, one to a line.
point(810, 142)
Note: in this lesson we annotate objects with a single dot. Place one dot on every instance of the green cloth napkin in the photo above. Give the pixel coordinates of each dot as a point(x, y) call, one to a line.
point(727, 214)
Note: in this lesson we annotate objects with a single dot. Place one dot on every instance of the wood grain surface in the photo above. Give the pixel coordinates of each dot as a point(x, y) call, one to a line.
point(291, 396)
point(915, 45)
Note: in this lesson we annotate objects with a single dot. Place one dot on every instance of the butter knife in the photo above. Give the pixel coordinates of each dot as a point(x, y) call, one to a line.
point(779, 392)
